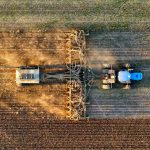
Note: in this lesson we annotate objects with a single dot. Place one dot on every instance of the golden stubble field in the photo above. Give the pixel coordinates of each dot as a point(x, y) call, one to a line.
point(19, 48)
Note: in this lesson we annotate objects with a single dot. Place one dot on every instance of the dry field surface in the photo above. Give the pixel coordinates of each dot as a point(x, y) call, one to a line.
point(119, 48)
point(30, 118)
point(31, 48)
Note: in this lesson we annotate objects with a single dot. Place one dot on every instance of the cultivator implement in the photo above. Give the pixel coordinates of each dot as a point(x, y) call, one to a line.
point(75, 62)
point(76, 100)
point(75, 48)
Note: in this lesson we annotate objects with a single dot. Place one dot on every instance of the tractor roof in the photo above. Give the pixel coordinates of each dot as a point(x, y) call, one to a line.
point(124, 76)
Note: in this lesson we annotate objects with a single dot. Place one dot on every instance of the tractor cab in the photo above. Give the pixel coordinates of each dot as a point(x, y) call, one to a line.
point(124, 76)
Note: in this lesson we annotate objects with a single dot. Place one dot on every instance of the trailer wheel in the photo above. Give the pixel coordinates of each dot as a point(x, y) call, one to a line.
point(19, 84)
point(29, 67)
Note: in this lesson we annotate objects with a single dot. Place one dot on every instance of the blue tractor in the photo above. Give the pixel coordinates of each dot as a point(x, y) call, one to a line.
point(125, 75)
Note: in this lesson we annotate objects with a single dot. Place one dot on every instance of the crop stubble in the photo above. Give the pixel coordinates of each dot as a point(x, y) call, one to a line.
point(19, 48)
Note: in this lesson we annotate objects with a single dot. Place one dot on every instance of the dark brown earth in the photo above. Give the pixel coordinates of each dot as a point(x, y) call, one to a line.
point(24, 132)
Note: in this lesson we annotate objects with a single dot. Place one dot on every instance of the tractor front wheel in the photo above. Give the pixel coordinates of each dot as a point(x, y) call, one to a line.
point(127, 65)
point(127, 87)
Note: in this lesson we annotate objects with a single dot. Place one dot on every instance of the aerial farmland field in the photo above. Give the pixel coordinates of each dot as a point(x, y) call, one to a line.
point(38, 33)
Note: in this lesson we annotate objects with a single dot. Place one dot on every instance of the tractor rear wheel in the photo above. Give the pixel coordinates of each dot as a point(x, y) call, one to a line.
point(104, 81)
point(106, 86)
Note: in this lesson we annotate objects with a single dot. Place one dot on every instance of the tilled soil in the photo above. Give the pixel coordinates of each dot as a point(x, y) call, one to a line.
point(26, 132)
point(30, 117)
point(119, 48)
